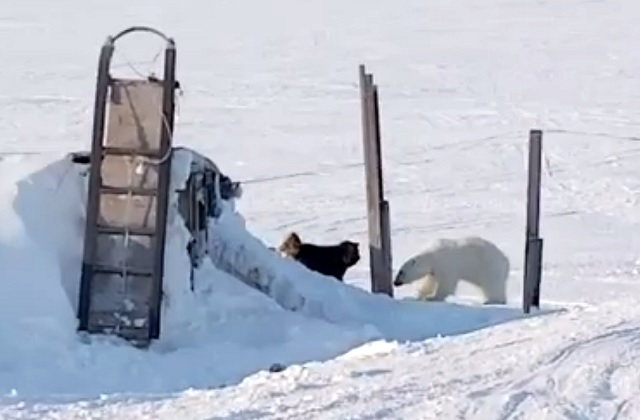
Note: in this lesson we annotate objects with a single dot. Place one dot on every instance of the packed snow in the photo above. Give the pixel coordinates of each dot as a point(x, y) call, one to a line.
point(270, 95)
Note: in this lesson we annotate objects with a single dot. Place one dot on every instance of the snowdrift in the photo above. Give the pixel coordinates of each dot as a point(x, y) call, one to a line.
point(234, 250)
point(250, 307)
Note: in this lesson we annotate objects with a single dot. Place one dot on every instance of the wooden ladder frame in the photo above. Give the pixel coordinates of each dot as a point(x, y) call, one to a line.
point(96, 191)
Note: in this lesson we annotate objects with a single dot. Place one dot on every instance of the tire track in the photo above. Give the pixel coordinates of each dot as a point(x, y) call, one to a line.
point(555, 384)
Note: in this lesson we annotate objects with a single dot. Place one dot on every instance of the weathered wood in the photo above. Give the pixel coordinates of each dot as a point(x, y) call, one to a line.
point(135, 115)
point(376, 143)
point(90, 246)
point(536, 269)
point(378, 223)
point(136, 254)
point(123, 172)
point(533, 244)
point(127, 205)
point(385, 285)
point(134, 212)
point(128, 295)
point(135, 123)
point(164, 180)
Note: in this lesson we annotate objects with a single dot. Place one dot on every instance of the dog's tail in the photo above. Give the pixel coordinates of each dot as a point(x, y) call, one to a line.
point(291, 245)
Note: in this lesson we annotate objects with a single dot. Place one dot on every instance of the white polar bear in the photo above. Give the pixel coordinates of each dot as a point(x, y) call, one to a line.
point(441, 266)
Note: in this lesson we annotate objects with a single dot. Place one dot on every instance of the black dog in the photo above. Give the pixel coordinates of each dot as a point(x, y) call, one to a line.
point(330, 260)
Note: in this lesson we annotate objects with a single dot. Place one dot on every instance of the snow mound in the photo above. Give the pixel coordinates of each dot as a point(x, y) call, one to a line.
point(34, 307)
point(238, 252)
point(215, 335)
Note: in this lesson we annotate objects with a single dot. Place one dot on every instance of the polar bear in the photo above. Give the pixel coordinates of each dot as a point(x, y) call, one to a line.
point(441, 266)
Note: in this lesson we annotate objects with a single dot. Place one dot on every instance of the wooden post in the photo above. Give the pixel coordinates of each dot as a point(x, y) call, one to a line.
point(377, 206)
point(386, 275)
point(93, 194)
point(533, 242)
point(164, 180)
point(536, 270)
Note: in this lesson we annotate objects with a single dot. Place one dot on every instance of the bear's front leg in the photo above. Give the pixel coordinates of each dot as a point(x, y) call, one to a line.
point(445, 285)
point(428, 290)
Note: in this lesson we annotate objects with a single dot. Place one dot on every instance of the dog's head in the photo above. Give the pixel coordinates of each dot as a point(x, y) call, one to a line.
point(350, 253)
point(291, 245)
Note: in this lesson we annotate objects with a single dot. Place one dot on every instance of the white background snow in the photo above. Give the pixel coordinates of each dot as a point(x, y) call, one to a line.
point(271, 95)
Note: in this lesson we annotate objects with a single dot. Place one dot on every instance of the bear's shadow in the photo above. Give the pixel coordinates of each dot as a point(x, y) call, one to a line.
point(415, 320)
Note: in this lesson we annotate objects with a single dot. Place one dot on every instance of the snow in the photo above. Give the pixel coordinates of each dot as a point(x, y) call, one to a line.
point(231, 328)
point(271, 96)
point(236, 251)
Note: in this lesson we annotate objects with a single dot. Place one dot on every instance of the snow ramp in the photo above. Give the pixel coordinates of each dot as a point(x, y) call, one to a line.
point(247, 309)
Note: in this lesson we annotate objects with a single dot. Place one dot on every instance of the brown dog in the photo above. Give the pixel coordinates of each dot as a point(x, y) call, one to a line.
point(330, 260)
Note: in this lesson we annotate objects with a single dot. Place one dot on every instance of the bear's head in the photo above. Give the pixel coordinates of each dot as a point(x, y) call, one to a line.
point(350, 253)
point(412, 270)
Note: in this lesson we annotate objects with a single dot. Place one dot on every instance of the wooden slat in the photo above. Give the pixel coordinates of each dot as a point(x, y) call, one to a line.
point(127, 191)
point(138, 212)
point(137, 254)
point(117, 230)
point(533, 243)
point(378, 223)
point(106, 322)
point(135, 115)
point(127, 151)
point(111, 292)
point(129, 320)
point(93, 196)
point(164, 182)
point(128, 172)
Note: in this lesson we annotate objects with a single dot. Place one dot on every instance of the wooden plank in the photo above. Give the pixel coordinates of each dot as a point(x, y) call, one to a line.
point(532, 275)
point(385, 283)
point(137, 254)
point(164, 182)
point(135, 115)
point(126, 172)
point(121, 325)
point(533, 186)
point(379, 276)
point(376, 147)
point(366, 127)
point(115, 293)
point(93, 196)
point(371, 192)
point(536, 270)
point(373, 196)
point(379, 239)
point(132, 211)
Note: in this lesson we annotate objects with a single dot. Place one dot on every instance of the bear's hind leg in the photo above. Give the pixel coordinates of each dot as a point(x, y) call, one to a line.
point(494, 291)
point(446, 287)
